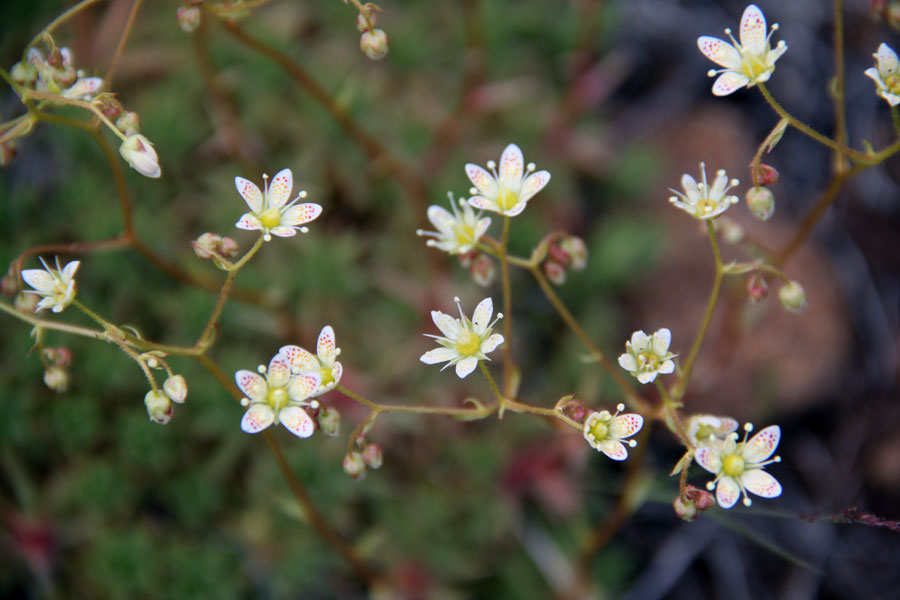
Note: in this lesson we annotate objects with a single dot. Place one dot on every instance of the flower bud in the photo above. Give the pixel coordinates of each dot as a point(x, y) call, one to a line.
point(24, 73)
point(577, 251)
point(575, 410)
point(329, 421)
point(188, 18)
point(354, 466)
point(482, 270)
point(26, 302)
point(129, 123)
point(374, 44)
point(176, 388)
point(57, 379)
point(61, 357)
point(466, 258)
point(757, 288)
point(9, 285)
point(767, 174)
point(702, 499)
point(792, 297)
point(206, 245)
point(685, 509)
point(109, 105)
point(7, 152)
point(139, 153)
point(229, 248)
point(554, 271)
point(761, 202)
point(372, 456)
point(558, 254)
point(159, 407)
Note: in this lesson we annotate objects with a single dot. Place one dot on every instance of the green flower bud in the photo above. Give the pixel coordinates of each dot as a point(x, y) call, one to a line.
point(792, 297)
point(159, 407)
point(761, 202)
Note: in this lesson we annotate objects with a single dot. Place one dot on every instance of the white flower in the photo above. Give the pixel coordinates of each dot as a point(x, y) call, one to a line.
point(701, 201)
point(84, 89)
point(508, 192)
point(887, 75)
point(748, 63)
point(464, 342)
point(706, 429)
point(57, 286)
point(271, 212)
point(646, 356)
point(605, 432)
point(323, 362)
point(738, 467)
point(456, 233)
point(138, 152)
point(279, 397)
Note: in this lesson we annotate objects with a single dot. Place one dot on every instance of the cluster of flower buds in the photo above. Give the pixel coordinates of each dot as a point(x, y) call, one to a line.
point(691, 502)
point(569, 252)
point(373, 42)
point(188, 16)
point(760, 199)
point(480, 266)
point(55, 74)
point(889, 10)
point(217, 247)
point(55, 376)
point(159, 402)
point(136, 149)
point(366, 455)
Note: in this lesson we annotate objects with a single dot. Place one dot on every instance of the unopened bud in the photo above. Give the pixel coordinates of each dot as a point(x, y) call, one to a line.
point(139, 153)
point(188, 18)
point(26, 303)
point(694, 500)
point(129, 123)
point(757, 288)
point(109, 105)
point(159, 407)
point(329, 421)
point(57, 379)
point(482, 270)
point(767, 174)
point(61, 356)
point(7, 152)
point(575, 247)
point(9, 285)
point(761, 202)
point(374, 44)
point(558, 254)
point(354, 466)
point(685, 509)
point(466, 258)
point(24, 73)
point(575, 410)
point(176, 388)
point(372, 456)
point(229, 248)
point(554, 271)
point(792, 297)
point(206, 245)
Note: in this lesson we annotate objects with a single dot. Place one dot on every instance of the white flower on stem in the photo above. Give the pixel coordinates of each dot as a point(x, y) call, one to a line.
point(322, 362)
point(605, 432)
point(270, 211)
point(706, 429)
point(464, 342)
point(702, 201)
point(738, 467)
point(646, 356)
point(746, 63)
point(887, 74)
point(279, 397)
point(509, 191)
point(84, 89)
point(138, 152)
point(456, 233)
point(57, 286)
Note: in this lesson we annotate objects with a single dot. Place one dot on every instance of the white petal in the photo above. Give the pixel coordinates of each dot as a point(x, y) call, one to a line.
point(466, 366)
point(39, 279)
point(300, 359)
point(302, 386)
point(512, 165)
point(661, 341)
point(613, 449)
point(727, 492)
point(297, 421)
point(438, 355)
point(326, 347)
point(257, 418)
point(627, 362)
point(775, 53)
point(640, 341)
point(887, 60)
point(442, 219)
point(481, 227)
point(279, 371)
point(875, 75)
point(762, 445)
point(690, 188)
point(517, 208)
point(753, 30)
point(251, 384)
point(761, 483)
point(666, 368)
point(283, 231)
point(481, 318)
point(447, 324)
point(710, 458)
point(719, 51)
point(728, 82)
point(490, 344)
point(300, 214)
point(484, 204)
point(250, 193)
point(249, 222)
point(533, 184)
point(646, 377)
point(626, 425)
point(280, 188)
point(483, 181)
point(69, 270)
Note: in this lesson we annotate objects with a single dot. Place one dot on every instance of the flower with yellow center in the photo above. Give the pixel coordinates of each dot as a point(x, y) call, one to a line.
point(322, 362)
point(270, 211)
point(508, 191)
point(887, 75)
point(605, 432)
point(279, 397)
point(707, 429)
point(57, 286)
point(456, 233)
point(647, 355)
point(738, 467)
point(464, 342)
point(746, 63)
point(702, 201)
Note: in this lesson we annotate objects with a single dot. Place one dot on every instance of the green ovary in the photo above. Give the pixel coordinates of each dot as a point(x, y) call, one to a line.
point(754, 66)
point(270, 218)
point(892, 83)
point(465, 234)
point(277, 398)
point(733, 465)
point(599, 430)
point(327, 378)
point(467, 343)
point(506, 198)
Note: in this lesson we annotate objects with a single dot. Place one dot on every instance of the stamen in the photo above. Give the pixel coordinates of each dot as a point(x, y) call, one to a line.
point(459, 306)
point(261, 369)
point(304, 230)
point(245, 401)
point(266, 189)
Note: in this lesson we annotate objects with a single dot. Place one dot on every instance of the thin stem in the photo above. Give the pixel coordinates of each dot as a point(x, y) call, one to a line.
point(94, 316)
point(707, 316)
point(507, 312)
point(671, 417)
point(46, 31)
point(120, 46)
point(53, 325)
point(472, 413)
point(895, 118)
point(840, 114)
point(501, 399)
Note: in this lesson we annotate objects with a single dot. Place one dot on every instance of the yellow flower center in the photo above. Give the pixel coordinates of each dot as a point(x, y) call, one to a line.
point(892, 83)
point(647, 361)
point(506, 198)
point(467, 343)
point(754, 66)
point(270, 218)
point(465, 234)
point(277, 398)
point(704, 432)
point(733, 465)
point(706, 206)
point(327, 378)
point(599, 430)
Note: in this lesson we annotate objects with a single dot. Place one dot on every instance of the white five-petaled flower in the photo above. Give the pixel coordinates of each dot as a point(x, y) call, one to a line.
point(738, 467)
point(456, 233)
point(464, 342)
point(57, 286)
point(509, 191)
point(887, 74)
point(279, 397)
point(605, 432)
point(647, 355)
point(270, 211)
point(702, 201)
point(707, 429)
point(322, 362)
point(746, 63)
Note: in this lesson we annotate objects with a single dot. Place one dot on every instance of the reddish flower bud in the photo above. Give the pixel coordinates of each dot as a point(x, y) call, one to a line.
point(482, 270)
point(354, 466)
point(374, 44)
point(372, 456)
point(188, 18)
point(767, 174)
point(757, 288)
point(554, 271)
